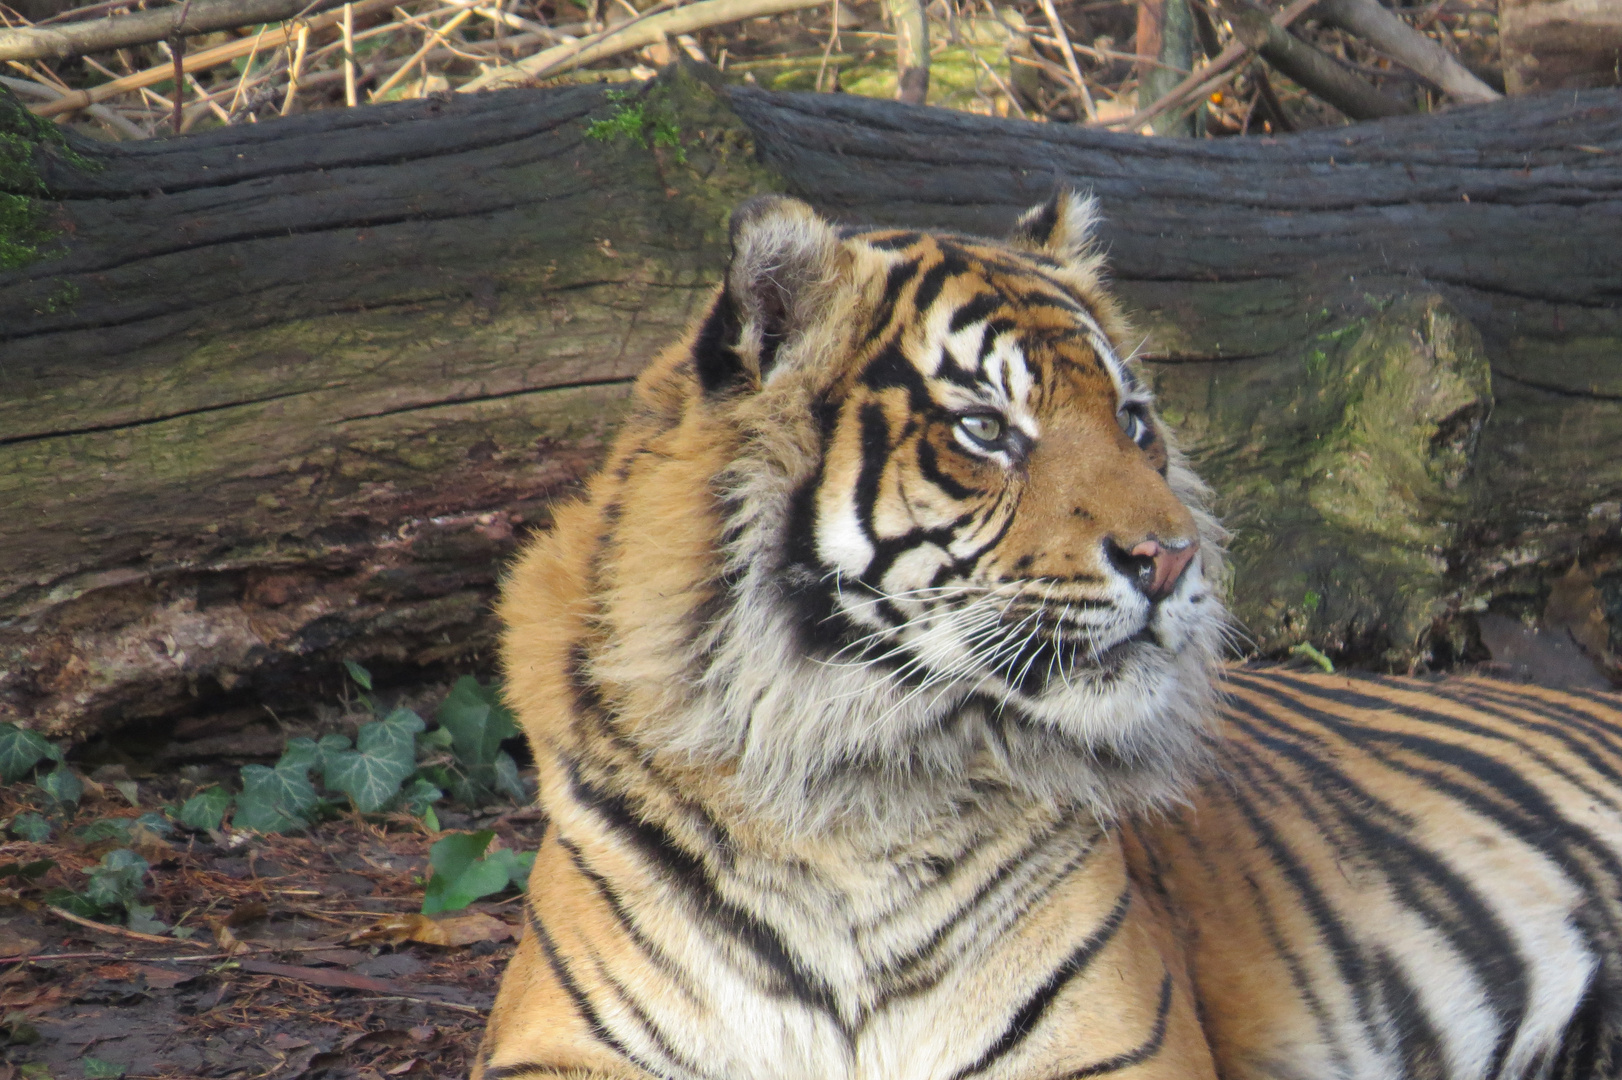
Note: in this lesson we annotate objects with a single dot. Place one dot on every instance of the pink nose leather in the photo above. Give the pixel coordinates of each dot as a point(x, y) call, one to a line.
point(1168, 563)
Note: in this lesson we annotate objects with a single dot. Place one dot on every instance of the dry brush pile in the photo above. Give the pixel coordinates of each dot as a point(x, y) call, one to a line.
point(132, 69)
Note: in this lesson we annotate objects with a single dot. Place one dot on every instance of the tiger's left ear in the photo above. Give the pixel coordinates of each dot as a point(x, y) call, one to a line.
point(784, 259)
point(1061, 228)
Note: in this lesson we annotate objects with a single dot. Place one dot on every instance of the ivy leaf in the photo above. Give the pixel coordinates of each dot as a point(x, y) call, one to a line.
point(361, 676)
point(97, 1069)
point(419, 797)
point(20, 751)
point(459, 875)
point(61, 785)
point(206, 809)
point(516, 865)
point(385, 755)
point(31, 827)
point(143, 919)
point(507, 780)
point(117, 881)
point(477, 721)
point(274, 800)
point(68, 900)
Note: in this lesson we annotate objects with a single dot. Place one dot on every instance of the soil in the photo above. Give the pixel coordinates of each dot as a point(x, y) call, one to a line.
point(273, 981)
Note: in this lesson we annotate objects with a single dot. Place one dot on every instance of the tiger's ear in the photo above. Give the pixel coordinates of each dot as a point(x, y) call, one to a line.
point(784, 257)
point(1061, 228)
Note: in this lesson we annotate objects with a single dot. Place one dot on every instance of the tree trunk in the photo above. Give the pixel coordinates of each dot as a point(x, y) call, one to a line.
point(290, 393)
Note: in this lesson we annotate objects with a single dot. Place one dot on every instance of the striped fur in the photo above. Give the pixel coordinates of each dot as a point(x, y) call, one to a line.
point(870, 749)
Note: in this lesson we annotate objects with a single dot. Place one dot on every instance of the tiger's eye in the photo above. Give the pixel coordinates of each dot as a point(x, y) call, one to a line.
point(982, 427)
point(1135, 425)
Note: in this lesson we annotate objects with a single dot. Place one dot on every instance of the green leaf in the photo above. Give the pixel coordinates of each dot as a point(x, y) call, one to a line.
point(158, 823)
point(507, 780)
point(430, 820)
point(359, 674)
point(300, 753)
point(274, 800)
point(26, 871)
point(95, 1067)
point(61, 785)
point(384, 757)
point(142, 919)
point(106, 829)
point(432, 742)
point(477, 721)
point(20, 751)
point(419, 797)
point(70, 901)
point(31, 827)
point(206, 809)
point(516, 864)
point(117, 881)
point(459, 875)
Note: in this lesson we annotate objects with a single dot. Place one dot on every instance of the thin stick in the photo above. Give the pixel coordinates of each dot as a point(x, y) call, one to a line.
point(349, 55)
point(105, 928)
point(631, 35)
point(297, 69)
point(1009, 94)
point(202, 60)
point(833, 36)
point(1205, 80)
point(469, 1009)
point(177, 56)
point(1084, 97)
point(436, 37)
point(247, 69)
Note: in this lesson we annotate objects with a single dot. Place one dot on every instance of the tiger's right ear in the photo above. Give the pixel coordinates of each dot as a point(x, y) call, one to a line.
point(784, 257)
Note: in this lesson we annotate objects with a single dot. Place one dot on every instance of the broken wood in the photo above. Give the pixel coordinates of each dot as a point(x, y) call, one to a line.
point(118, 31)
point(1394, 37)
point(290, 394)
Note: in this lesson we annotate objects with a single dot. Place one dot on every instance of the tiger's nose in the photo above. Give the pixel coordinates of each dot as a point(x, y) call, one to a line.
point(1154, 567)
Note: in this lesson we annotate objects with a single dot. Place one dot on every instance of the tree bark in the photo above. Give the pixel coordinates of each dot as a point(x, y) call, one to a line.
point(291, 393)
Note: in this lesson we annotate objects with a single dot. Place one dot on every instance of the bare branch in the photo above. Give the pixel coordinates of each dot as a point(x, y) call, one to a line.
point(630, 36)
point(179, 20)
point(1389, 34)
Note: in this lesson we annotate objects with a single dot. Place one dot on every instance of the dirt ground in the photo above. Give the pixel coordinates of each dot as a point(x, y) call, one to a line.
point(272, 981)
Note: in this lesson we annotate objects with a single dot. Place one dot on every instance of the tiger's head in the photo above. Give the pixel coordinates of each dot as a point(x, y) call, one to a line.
point(956, 551)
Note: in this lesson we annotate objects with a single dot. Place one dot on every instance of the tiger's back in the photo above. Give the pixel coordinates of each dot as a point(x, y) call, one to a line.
point(1403, 878)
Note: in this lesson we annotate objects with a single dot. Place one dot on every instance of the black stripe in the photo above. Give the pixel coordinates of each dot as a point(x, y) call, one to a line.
point(930, 469)
point(894, 281)
point(1036, 1006)
point(528, 1069)
point(684, 869)
point(979, 307)
point(582, 1003)
point(934, 279)
point(714, 348)
point(1144, 1051)
point(661, 959)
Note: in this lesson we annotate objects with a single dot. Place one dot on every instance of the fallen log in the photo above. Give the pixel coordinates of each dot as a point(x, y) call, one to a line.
point(278, 395)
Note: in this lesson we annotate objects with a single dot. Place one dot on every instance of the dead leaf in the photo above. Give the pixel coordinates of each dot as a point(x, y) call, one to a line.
point(283, 1041)
point(14, 944)
point(422, 1033)
point(339, 957)
point(452, 932)
point(163, 978)
point(402, 1068)
point(243, 914)
point(365, 1039)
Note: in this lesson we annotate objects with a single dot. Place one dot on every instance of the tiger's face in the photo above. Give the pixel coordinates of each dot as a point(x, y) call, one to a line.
point(956, 531)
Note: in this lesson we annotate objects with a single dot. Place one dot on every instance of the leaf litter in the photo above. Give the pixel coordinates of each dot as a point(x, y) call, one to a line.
point(207, 949)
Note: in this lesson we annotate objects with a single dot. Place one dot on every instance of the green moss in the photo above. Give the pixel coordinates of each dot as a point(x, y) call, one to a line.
point(25, 230)
point(643, 116)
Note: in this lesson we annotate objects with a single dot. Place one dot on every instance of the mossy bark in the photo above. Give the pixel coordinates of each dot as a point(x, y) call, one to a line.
point(292, 393)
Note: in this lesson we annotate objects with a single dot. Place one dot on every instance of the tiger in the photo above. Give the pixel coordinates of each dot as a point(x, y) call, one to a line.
point(884, 729)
